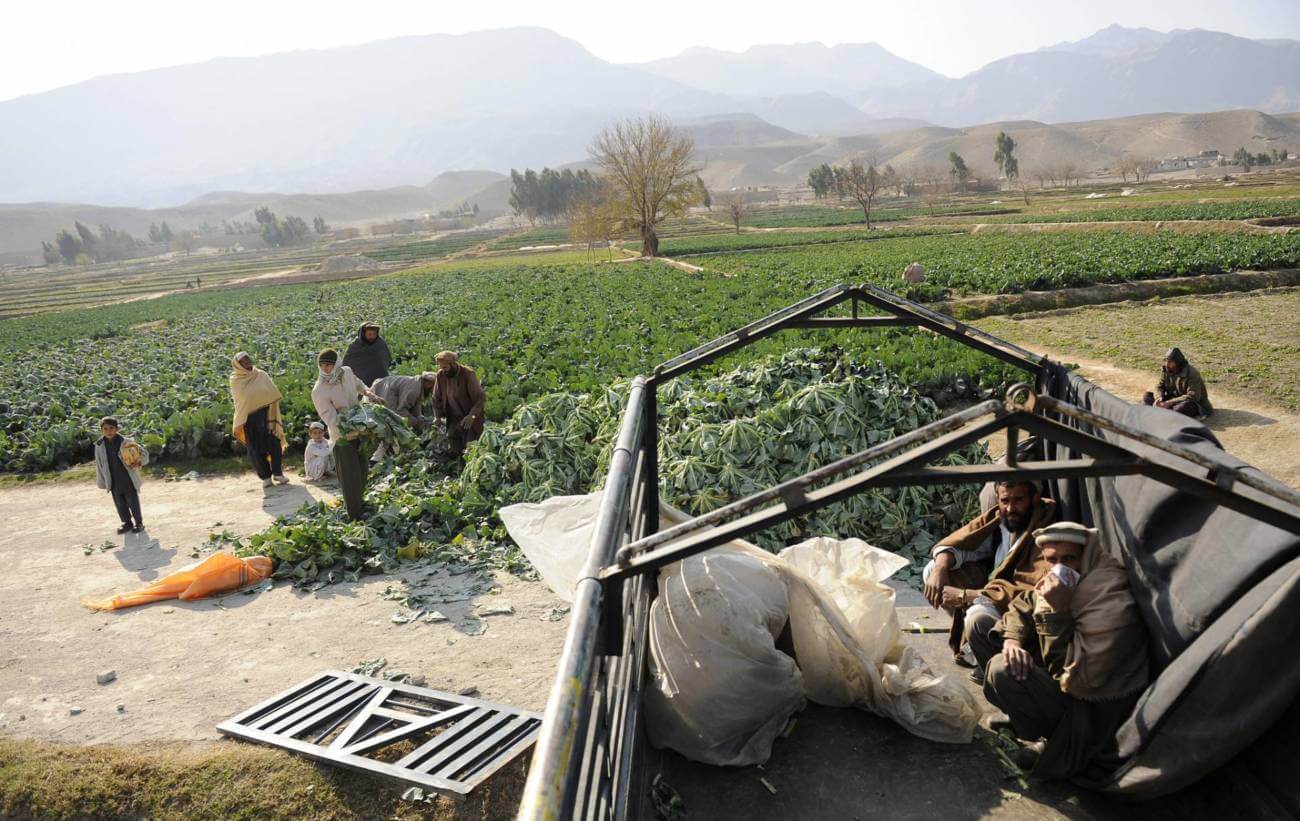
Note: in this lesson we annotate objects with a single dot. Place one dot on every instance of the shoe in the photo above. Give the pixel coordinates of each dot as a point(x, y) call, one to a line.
point(138, 528)
point(123, 528)
point(281, 479)
point(266, 483)
point(977, 676)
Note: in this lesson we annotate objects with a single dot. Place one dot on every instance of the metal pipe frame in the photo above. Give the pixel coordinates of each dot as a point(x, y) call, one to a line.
point(553, 779)
point(905, 460)
point(803, 314)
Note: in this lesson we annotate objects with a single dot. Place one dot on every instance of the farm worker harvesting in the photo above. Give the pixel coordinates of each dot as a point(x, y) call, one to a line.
point(368, 355)
point(117, 470)
point(257, 419)
point(458, 398)
point(317, 458)
point(407, 396)
point(336, 390)
point(976, 571)
point(1072, 659)
point(1181, 388)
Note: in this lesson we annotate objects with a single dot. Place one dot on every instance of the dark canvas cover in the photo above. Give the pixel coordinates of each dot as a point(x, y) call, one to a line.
point(1219, 591)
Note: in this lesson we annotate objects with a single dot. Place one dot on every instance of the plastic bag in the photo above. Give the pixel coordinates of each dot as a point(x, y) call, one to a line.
point(721, 691)
point(219, 573)
point(555, 535)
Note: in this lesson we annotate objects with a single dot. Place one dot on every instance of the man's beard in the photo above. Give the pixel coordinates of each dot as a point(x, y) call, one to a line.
point(1015, 522)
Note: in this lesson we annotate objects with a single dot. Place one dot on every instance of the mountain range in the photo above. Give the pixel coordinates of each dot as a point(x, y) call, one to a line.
point(393, 114)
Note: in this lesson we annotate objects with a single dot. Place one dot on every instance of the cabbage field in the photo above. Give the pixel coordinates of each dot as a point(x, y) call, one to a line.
point(722, 437)
point(1011, 263)
point(162, 366)
point(529, 330)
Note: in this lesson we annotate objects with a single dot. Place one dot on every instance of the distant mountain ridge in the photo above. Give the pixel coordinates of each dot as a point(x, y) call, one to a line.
point(388, 114)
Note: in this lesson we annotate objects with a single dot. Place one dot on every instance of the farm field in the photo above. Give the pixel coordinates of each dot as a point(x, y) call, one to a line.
point(41, 290)
point(991, 263)
point(529, 329)
point(1248, 344)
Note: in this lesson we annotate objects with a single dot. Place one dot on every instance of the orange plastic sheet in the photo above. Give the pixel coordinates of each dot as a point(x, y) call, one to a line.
point(219, 573)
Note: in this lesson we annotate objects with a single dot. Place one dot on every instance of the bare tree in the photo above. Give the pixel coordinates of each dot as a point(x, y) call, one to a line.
point(933, 185)
point(185, 241)
point(1142, 168)
point(861, 183)
point(649, 164)
point(737, 208)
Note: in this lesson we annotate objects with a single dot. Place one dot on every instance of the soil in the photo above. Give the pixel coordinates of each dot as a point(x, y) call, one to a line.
point(182, 667)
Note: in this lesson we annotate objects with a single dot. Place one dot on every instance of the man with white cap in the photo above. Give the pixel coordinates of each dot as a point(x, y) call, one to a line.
point(1070, 657)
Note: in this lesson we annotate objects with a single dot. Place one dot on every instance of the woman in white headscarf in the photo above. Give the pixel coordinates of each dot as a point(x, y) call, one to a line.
point(336, 390)
point(257, 420)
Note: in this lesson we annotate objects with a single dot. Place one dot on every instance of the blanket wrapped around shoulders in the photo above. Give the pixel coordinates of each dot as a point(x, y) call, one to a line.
point(252, 389)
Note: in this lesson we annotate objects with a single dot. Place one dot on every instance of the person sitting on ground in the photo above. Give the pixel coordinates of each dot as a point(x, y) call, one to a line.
point(117, 469)
point(458, 398)
point(1072, 659)
point(317, 458)
point(368, 355)
point(337, 388)
point(257, 419)
point(976, 571)
point(1181, 388)
point(407, 396)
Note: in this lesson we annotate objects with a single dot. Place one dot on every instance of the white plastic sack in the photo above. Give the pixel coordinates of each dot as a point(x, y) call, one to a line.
point(721, 691)
point(555, 535)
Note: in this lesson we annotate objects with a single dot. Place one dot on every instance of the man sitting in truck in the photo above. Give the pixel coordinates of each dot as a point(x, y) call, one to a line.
point(1072, 660)
point(975, 572)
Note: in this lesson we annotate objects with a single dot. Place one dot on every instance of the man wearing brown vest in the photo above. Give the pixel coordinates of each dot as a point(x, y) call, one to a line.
point(975, 572)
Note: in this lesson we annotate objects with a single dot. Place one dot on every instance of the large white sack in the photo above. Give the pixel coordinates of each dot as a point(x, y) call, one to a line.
point(720, 691)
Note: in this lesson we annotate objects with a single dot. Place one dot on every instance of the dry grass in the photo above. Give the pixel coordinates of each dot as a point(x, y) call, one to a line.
point(224, 780)
point(1247, 344)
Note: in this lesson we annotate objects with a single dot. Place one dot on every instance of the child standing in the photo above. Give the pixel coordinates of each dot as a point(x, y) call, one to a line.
point(117, 470)
point(318, 459)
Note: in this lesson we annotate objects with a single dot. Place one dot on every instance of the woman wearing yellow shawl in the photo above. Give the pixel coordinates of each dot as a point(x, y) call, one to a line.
point(257, 419)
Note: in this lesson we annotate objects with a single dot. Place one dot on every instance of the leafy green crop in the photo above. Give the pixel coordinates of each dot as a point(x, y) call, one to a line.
point(722, 438)
point(163, 366)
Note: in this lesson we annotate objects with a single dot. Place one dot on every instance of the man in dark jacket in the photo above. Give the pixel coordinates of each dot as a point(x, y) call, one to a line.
point(458, 398)
point(368, 355)
point(1181, 388)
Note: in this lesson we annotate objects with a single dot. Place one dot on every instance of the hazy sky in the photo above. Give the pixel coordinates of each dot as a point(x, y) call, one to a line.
point(49, 43)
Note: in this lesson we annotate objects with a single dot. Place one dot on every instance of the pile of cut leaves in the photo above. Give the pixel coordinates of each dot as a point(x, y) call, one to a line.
point(722, 438)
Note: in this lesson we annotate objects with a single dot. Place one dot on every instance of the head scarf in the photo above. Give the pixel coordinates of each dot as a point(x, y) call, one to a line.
point(447, 355)
point(252, 389)
point(332, 378)
point(1177, 357)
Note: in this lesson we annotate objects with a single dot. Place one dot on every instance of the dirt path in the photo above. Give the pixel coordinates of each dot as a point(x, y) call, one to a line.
point(183, 667)
point(1266, 436)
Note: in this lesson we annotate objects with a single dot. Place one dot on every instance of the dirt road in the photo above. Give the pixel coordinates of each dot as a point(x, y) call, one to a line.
point(1266, 436)
point(183, 667)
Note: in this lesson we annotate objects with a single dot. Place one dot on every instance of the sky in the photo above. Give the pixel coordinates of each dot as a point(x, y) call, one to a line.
point(53, 43)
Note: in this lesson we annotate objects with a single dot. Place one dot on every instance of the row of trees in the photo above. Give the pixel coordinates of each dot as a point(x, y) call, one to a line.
point(82, 246)
point(277, 232)
point(1248, 160)
point(551, 195)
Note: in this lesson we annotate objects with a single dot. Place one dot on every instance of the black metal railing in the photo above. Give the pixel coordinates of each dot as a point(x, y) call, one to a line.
point(586, 755)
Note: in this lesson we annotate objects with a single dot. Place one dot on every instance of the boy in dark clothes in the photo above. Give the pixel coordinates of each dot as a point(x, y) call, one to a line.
point(118, 472)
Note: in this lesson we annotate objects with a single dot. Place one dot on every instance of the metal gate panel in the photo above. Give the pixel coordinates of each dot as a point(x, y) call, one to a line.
point(439, 741)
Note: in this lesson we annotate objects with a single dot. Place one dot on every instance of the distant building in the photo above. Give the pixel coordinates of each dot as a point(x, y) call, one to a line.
point(1205, 159)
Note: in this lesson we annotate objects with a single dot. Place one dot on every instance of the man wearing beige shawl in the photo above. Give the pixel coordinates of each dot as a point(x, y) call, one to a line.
point(977, 570)
point(257, 418)
point(1073, 659)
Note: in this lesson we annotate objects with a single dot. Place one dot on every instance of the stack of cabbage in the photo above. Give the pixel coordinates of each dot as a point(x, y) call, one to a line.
point(722, 438)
